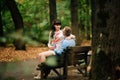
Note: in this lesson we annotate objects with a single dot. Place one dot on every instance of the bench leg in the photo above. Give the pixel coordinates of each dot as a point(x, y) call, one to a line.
point(56, 72)
point(65, 70)
point(45, 72)
point(80, 70)
point(42, 74)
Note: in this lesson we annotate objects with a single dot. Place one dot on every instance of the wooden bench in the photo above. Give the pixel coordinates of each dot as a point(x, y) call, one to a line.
point(72, 57)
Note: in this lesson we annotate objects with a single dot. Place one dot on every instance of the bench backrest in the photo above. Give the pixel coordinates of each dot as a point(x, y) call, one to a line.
point(77, 54)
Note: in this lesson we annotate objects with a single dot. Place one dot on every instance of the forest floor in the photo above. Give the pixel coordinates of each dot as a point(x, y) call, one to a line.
point(21, 65)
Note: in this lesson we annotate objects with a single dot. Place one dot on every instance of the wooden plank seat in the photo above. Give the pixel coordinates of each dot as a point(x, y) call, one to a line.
point(72, 56)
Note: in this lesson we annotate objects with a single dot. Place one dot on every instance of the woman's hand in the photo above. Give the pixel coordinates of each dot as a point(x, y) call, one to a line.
point(52, 47)
point(70, 37)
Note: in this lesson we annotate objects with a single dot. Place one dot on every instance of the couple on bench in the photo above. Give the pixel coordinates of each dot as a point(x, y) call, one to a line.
point(58, 41)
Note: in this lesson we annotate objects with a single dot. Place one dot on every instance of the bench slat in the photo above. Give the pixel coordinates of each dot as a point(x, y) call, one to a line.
point(80, 49)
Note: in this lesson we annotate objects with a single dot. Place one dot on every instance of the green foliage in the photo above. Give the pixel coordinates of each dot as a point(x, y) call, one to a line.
point(63, 12)
point(51, 61)
point(3, 39)
point(85, 17)
point(8, 25)
point(35, 16)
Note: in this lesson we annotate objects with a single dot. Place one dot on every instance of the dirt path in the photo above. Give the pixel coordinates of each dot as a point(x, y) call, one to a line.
point(25, 70)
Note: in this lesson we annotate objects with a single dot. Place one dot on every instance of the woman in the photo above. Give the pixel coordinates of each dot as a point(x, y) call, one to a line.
point(55, 40)
point(56, 35)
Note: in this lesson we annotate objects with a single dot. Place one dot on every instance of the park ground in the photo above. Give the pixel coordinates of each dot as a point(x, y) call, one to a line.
point(21, 65)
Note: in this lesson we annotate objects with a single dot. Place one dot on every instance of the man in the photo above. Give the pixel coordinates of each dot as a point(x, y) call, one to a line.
point(66, 42)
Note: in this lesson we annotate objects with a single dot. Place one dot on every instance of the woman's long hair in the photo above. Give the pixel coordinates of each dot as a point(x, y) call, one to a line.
point(55, 22)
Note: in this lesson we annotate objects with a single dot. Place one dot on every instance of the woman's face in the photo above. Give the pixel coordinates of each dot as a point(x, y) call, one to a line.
point(57, 27)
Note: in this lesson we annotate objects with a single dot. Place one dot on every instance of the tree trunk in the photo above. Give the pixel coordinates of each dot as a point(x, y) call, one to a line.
point(74, 20)
point(53, 13)
point(106, 40)
point(18, 22)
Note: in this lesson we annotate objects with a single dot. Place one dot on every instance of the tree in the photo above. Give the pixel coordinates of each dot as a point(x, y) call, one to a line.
point(52, 6)
point(18, 22)
point(106, 40)
point(74, 20)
